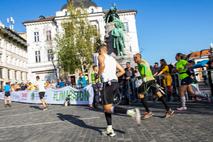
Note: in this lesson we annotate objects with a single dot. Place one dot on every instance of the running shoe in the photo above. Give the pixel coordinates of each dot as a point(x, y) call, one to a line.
point(109, 132)
point(169, 113)
point(147, 115)
point(182, 108)
point(135, 114)
point(44, 109)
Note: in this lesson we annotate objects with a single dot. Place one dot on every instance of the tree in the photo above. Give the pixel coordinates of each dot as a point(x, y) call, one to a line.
point(79, 40)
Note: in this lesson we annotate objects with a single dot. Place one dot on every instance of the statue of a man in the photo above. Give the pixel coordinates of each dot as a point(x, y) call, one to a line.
point(118, 37)
point(117, 33)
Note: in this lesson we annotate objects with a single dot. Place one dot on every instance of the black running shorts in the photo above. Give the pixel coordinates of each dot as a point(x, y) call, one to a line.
point(187, 81)
point(41, 95)
point(7, 94)
point(149, 86)
point(108, 92)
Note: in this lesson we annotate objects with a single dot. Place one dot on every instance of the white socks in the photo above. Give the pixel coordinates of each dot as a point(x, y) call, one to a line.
point(183, 101)
point(109, 128)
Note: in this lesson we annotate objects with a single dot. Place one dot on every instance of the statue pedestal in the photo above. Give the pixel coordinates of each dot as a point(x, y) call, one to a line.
point(122, 60)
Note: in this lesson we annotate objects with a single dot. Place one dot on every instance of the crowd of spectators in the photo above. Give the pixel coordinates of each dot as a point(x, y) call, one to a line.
point(164, 73)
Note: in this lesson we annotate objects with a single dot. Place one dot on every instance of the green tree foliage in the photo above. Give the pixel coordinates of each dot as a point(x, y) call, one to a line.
point(78, 41)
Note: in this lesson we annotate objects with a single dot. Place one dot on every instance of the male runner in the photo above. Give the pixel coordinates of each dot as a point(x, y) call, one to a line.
point(149, 83)
point(7, 99)
point(41, 90)
point(107, 71)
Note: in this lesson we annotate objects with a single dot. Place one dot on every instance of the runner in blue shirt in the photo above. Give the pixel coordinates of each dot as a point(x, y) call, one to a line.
point(7, 99)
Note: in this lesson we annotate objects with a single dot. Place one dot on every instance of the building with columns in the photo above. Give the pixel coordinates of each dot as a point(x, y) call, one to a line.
point(13, 56)
point(41, 34)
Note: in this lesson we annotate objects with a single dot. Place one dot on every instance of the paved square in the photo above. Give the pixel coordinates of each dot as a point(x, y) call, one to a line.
point(26, 123)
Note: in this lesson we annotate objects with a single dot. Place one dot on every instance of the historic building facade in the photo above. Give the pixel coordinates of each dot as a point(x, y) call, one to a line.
point(13, 56)
point(41, 35)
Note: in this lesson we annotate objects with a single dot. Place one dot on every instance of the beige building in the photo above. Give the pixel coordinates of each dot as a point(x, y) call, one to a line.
point(13, 56)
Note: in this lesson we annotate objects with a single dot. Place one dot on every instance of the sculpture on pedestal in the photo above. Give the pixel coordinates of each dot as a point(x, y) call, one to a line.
point(117, 33)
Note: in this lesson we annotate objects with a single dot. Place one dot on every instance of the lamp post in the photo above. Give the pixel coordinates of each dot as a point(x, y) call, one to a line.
point(210, 71)
point(55, 69)
point(211, 49)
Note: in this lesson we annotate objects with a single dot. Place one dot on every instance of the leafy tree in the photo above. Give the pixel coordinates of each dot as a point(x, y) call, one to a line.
point(79, 40)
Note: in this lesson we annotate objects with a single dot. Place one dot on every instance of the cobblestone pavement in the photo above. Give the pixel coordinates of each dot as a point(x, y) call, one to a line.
point(27, 123)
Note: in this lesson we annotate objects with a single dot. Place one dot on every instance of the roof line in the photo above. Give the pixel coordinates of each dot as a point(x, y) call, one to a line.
point(51, 18)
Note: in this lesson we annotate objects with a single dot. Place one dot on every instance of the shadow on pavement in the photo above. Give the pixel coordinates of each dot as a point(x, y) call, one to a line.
point(36, 107)
point(78, 122)
point(193, 108)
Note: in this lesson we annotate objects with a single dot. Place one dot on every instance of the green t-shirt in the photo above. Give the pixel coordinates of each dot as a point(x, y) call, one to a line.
point(93, 77)
point(94, 80)
point(145, 71)
point(181, 68)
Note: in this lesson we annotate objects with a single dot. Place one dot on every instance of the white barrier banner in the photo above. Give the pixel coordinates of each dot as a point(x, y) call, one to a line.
point(53, 96)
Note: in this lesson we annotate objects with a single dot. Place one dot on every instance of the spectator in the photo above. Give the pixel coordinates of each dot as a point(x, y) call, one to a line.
point(17, 86)
point(210, 72)
point(47, 85)
point(53, 84)
point(61, 83)
point(130, 82)
point(155, 68)
point(68, 82)
point(82, 82)
point(94, 75)
point(23, 86)
point(13, 87)
point(95, 80)
point(191, 71)
point(30, 86)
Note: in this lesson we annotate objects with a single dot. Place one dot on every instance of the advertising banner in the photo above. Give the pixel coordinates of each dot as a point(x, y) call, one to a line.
point(53, 96)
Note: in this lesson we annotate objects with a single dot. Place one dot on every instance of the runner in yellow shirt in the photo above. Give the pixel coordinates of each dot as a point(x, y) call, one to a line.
point(167, 78)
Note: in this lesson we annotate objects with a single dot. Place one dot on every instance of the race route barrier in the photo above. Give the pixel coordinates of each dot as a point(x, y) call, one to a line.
point(54, 96)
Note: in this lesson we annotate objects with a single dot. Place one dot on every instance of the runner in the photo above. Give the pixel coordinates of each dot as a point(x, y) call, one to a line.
point(167, 78)
point(107, 71)
point(149, 83)
point(186, 81)
point(7, 99)
point(41, 90)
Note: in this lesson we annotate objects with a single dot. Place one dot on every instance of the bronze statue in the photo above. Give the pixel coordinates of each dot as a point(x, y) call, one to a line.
point(117, 34)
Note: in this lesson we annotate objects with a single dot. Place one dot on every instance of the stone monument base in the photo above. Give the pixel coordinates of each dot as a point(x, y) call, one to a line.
point(122, 60)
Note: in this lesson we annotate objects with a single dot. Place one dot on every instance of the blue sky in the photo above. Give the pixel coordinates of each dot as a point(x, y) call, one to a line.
point(165, 27)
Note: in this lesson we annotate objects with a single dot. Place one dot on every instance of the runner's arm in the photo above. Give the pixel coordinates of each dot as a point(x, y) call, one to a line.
point(163, 70)
point(101, 64)
point(121, 71)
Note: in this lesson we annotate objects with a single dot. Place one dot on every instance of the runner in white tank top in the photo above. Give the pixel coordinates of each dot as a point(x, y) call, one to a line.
point(107, 70)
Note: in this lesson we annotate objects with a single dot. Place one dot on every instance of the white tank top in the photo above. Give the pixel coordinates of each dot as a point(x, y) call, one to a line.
point(109, 72)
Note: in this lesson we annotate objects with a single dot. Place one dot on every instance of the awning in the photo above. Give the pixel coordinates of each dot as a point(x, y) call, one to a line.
point(201, 64)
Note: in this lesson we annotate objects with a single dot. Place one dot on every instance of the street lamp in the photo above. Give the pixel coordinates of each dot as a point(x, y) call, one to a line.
point(211, 49)
point(210, 71)
point(55, 69)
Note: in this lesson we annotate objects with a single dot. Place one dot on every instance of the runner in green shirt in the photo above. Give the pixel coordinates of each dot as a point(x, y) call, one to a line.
point(186, 80)
point(149, 84)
